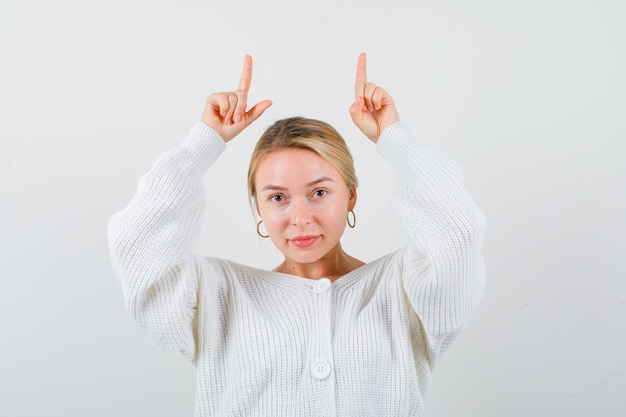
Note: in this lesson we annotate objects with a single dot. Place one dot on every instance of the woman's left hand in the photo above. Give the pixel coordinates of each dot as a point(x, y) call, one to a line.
point(373, 109)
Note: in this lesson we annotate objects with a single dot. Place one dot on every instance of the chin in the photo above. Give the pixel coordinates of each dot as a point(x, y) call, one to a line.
point(304, 257)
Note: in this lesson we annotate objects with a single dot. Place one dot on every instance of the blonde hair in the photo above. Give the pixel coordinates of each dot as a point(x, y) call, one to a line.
point(303, 133)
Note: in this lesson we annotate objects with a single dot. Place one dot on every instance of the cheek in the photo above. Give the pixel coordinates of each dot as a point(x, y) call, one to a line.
point(333, 216)
point(272, 219)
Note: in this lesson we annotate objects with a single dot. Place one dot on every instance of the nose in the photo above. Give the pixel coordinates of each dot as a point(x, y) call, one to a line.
point(301, 213)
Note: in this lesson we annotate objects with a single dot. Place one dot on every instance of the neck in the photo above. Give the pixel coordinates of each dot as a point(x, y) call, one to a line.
point(333, 265)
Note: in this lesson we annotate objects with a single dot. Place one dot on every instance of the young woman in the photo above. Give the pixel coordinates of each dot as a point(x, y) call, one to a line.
point(324, 334)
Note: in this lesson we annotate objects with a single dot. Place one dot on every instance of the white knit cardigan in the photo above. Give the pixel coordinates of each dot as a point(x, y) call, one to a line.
point(271, 344)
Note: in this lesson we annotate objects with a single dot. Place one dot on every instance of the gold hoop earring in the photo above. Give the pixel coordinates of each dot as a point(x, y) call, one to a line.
point(353, 222)
point(258, 231)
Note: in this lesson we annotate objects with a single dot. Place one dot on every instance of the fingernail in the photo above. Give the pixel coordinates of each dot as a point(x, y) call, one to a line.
point(237, 118)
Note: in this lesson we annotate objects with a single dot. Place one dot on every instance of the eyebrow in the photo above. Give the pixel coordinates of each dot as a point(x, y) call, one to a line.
point(310, 184)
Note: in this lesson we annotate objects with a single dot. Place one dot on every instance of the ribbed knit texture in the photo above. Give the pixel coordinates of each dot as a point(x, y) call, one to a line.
point(271, 344)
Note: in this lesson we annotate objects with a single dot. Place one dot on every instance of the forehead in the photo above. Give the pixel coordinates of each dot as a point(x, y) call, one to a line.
point(293, 164)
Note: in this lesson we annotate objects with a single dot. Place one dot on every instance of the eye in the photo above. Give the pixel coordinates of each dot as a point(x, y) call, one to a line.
point(277, 198)
point(320, 193)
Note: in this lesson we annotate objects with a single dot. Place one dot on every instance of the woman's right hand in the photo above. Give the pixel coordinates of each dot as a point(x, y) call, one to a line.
point(226, 112)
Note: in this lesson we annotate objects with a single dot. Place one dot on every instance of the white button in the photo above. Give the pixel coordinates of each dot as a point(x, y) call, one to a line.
point(321, 285)
point(320, 369)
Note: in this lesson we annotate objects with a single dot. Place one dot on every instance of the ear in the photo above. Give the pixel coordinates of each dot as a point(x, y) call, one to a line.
point(352, 199)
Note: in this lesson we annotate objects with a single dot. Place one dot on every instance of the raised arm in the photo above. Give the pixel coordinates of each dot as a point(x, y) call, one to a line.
point(151, 240)
point(443, 271)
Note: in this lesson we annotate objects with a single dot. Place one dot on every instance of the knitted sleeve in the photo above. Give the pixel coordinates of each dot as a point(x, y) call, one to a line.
point(150, 241)
point(443, 271)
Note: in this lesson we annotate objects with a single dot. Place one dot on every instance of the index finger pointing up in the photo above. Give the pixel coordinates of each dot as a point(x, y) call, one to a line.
point(246, 75)
point(361, 76)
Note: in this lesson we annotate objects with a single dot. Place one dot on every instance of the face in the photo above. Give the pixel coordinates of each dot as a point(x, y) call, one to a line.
point(303, 201)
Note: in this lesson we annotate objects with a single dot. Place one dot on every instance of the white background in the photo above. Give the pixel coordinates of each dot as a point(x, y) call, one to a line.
point(529, 97)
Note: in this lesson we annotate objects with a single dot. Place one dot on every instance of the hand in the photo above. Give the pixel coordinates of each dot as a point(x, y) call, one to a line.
point(226, 112)
point(373, 108)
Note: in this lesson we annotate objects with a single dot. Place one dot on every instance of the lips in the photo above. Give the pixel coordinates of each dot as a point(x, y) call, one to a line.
point(303, 241)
